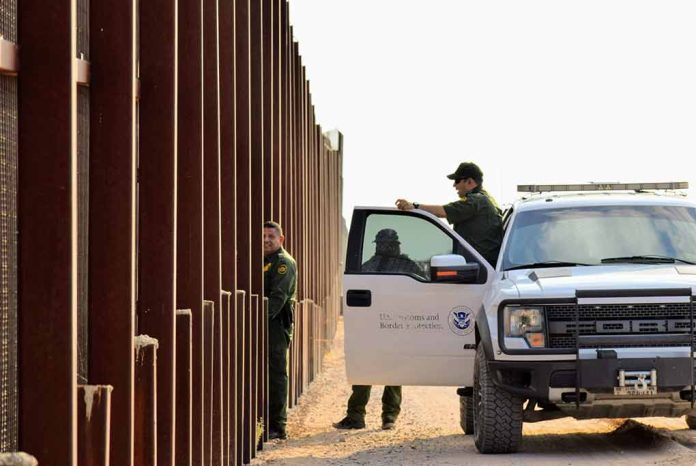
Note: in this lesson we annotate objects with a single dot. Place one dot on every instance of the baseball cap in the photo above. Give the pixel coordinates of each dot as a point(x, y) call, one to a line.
point(466, 170)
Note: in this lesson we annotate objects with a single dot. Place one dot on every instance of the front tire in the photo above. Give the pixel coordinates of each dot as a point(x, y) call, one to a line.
point(497, 413)
point(466, 414)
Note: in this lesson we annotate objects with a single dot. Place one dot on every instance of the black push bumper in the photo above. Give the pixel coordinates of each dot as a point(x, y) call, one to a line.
point(532, 379)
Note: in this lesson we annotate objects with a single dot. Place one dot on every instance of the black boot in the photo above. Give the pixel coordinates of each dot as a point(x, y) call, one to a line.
point(349, 423)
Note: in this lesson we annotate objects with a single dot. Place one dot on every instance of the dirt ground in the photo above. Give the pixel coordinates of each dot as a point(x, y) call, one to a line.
point(428, 433)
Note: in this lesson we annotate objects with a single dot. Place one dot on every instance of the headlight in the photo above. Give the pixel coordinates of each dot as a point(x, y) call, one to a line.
point(527, 322)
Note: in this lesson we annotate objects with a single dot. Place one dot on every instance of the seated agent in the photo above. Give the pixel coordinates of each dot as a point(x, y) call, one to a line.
point(387, 258)
point(475, 216)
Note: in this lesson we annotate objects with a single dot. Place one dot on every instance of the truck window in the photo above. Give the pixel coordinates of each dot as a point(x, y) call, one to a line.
point(402, 244)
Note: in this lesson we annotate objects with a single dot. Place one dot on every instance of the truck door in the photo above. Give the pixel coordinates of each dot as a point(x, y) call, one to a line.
point(405, 322)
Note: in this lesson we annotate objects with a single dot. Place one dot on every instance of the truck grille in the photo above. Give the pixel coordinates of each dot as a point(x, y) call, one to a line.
point(615, 319)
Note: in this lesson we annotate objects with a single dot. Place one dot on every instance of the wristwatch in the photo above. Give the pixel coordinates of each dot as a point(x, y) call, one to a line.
point(416, 205)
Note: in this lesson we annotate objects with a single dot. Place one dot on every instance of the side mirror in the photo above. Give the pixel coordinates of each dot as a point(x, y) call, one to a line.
point(453, 268)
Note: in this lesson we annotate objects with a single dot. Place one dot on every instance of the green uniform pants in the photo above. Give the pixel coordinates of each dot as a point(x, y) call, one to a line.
point(391, 402)
point(278, 343)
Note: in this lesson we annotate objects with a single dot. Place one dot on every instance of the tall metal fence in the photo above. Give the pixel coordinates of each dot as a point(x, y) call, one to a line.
point(142, 146)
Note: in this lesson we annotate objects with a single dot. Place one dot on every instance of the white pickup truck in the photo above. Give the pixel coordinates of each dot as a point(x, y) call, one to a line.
point(588, 313)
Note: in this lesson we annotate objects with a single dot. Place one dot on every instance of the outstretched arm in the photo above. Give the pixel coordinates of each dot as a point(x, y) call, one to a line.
point(437, 210)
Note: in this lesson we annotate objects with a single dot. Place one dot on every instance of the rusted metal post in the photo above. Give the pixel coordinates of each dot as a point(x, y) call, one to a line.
point(157, 203)
point(184, 385)
point(257, 147)
point(249, 398)
point(255, 371)
point(228, 214)
point(208, 349)
point(112, 212)
point(145, 446)
point(242, 374)
point(217, 402)
point(243, 198)
point(264, 369)
point(243, 151)
point(211, 218)
point(47, 223)
point(94, 421)
point(189, 256)
point(227, 378)
point(275, 104)
point(267, 9)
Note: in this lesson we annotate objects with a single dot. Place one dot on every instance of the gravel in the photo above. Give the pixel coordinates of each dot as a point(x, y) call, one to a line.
point(428, 432)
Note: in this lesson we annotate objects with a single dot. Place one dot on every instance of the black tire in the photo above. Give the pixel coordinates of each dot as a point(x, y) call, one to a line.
point(466, 414)
point(497, 413)
point(691, 420)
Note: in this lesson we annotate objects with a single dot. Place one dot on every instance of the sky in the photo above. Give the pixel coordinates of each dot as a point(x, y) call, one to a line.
point(532, 91)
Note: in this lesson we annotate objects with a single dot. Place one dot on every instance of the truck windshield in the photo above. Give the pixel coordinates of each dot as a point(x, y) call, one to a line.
point(587, 235)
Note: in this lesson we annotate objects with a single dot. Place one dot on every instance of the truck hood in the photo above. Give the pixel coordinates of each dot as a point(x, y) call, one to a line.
point(562, 282)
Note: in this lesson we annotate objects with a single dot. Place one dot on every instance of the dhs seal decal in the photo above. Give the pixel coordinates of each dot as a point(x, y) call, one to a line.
point(461, 320)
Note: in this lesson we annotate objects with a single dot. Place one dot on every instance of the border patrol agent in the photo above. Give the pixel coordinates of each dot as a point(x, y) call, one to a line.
point(280, 283)
point(387, 258)
point(475, 216)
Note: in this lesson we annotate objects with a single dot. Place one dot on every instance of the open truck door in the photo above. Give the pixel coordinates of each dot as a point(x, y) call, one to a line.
point(410, 316)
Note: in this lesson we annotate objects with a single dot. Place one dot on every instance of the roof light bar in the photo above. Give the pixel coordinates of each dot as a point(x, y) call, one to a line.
point(541, 188)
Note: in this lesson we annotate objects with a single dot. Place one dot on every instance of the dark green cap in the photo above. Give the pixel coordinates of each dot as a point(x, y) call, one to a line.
point(387, 234)
point(467, 170)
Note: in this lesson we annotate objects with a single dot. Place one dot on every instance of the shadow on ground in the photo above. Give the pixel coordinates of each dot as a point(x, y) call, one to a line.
point(630, 442)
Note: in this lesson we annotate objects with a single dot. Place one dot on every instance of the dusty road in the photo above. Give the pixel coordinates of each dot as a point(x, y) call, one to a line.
point(428, 433)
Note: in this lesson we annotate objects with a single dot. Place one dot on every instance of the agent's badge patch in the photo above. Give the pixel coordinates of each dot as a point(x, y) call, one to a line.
point(282, 269)
point(461, 320)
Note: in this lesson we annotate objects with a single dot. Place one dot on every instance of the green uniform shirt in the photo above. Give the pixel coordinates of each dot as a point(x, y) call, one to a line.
point(477, 219)
point(280, 284)
point(401, 263)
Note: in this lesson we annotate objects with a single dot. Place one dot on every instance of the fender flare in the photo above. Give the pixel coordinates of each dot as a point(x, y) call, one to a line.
point(483, 334)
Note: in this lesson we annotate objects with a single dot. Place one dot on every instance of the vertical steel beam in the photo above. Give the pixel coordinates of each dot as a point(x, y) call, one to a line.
point(276, 107)
point(267, 51)
point(264, 361)
point(94, 418)
point(112, 212)
point(208, 348)
point(217, 402)
point(255, 370)
point(228, 168)
point(241, 350)
point(249, 421)
point(145, 401)
point(157, 197)
point(227, 382)
point(257, 143)
point(243, 125)
point(189, 256)
point(47, 222)
point(228, 213)
point(184, 385)
point(284, 117)
point(211, 218)
point(243, 184)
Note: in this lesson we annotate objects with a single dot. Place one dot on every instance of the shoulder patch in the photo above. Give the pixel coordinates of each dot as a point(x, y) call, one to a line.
point(282, 269)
